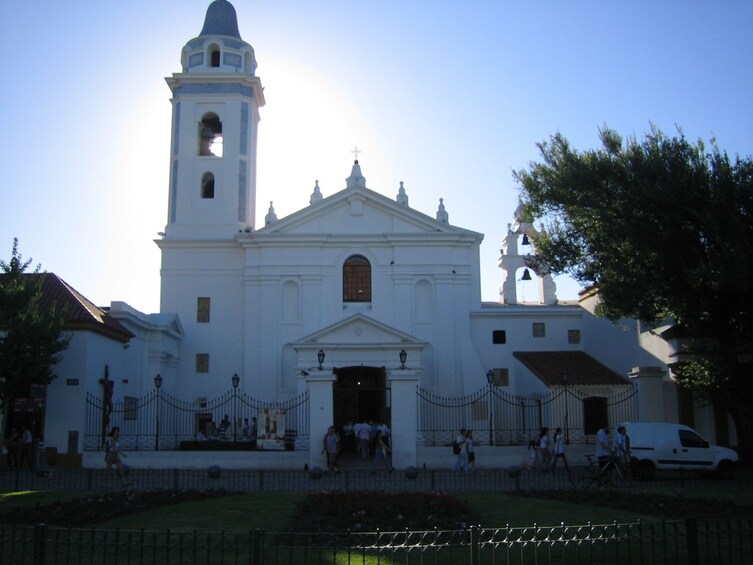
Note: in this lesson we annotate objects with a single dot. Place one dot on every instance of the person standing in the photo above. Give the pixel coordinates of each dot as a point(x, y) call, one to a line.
point(459, 448)
point(332, 448)
point(363, 432)
point(112, 457)
point(622, 445)
point(27, 448)
point(533, 454)
point(469, 447)
point(603, 453)
point(254, 432)
point(14, 448)
point(545, 448)
point(380, 453)
point(559, 449)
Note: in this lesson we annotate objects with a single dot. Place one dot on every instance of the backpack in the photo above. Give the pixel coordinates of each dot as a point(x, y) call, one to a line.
point(456, 448)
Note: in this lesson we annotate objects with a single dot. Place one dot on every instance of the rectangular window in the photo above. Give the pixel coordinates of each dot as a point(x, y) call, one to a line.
point(539, 329)
point(573, 336)
point(202, 362)
point(499, 336)
point(501, 377)
point(202, 310)
point(129, 407)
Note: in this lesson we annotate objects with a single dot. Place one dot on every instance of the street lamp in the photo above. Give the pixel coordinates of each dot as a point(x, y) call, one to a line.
point(403, 356)
point(235, 379)
point(158, 386)
point(566, 379)
point(490, 380)
point(320, 356)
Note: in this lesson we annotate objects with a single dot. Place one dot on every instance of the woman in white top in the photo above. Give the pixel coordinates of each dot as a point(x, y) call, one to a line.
point(559, 448)
point(544, 448)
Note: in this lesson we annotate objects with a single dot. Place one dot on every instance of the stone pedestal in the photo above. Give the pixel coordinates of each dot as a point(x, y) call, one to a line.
point(321, 410)
point(403, 384)
point(650, 393)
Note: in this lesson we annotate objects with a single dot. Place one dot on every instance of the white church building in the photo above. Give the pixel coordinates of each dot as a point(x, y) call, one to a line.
point(357, 305)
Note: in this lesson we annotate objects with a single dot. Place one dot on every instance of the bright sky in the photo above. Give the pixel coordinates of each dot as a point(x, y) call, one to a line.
point(448, 96)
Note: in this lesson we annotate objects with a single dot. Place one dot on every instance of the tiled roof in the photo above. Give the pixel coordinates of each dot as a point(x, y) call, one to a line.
point(582, 368)
point(78, 311)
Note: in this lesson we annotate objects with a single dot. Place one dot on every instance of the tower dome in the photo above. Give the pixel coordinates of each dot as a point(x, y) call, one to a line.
point(221, 20)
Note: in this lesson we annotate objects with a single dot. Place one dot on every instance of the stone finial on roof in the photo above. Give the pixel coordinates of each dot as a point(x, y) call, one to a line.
point(442, 215)
point(271, 217)
point(402, 197)
point(356, 178)
point(316, 196)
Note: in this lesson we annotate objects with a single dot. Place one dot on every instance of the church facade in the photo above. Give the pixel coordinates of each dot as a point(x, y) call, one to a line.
point(357, 289)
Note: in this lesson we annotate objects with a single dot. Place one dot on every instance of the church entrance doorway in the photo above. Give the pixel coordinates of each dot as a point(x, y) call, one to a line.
point(360, 394)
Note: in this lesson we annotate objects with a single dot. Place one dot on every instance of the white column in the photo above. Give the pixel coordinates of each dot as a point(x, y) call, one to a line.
point(321, 413)
point(649, 381)
point(404, 416)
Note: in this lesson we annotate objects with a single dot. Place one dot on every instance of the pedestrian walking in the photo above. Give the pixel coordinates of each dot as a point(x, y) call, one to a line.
point(380, 453)
point(112, 457)
point(331, 448)
point(559, 449)
point(461, 451)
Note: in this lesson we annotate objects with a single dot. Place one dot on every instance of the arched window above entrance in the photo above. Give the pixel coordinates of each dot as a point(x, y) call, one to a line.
point(357, 279)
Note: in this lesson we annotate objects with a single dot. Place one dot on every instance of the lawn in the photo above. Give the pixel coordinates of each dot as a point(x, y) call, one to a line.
point(220, 527)
point(275, 511)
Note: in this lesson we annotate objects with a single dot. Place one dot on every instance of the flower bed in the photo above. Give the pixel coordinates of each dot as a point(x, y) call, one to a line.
point(88, 510)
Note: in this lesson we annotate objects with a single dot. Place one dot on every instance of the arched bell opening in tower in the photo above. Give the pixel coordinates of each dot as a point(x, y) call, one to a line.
point(210, 136)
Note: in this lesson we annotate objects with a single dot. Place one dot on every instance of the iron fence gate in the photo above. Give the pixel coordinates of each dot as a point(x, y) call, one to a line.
point(159, 420)
point(500, 418)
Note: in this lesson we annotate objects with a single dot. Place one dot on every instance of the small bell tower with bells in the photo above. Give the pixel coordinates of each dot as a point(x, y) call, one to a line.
point(516, 246)
point(216, 99)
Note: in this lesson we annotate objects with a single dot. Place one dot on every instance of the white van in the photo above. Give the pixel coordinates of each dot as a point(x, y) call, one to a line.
point(656, 445)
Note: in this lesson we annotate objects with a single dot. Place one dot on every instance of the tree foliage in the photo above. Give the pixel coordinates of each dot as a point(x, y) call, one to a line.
point(31, 333)
point(663, 228)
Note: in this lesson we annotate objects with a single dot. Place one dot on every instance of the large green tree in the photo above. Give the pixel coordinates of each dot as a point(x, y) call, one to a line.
point(663, 228)
point(31, 330)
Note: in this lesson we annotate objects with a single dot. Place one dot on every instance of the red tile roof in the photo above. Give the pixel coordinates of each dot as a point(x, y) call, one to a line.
point(582, 368)
point(78, 311)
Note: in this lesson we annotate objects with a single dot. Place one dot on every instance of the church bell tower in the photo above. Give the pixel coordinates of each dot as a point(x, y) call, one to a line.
point(216, 100)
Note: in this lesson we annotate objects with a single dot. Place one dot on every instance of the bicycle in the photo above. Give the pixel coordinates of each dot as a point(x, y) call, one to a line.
point(614, 472)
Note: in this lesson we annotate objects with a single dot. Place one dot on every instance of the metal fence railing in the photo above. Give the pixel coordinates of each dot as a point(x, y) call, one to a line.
point(161, 421)
point(691, 541)
point(500, 418)
point(356, 480)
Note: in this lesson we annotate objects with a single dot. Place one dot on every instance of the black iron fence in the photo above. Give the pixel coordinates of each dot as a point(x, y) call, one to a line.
point(499, 418)
point(160, 421)
point(690, 541)
point(356, 480)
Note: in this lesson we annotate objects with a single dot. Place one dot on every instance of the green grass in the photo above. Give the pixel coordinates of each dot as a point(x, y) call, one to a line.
point(241, 513)
point(497, 510)
point(30, 498)
point(272, 511)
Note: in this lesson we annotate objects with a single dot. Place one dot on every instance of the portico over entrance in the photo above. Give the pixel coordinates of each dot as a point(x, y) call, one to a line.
point(361, 369)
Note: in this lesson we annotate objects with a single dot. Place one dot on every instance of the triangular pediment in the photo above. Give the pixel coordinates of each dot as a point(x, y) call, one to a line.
point(359, 210)
point(358, 331)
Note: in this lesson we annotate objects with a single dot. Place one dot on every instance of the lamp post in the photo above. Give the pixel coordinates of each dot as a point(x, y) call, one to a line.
point(403, 356)
point(320, 357)
point(566, 379)
point(490, 380)
point(158, 386)
point(235, 379)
